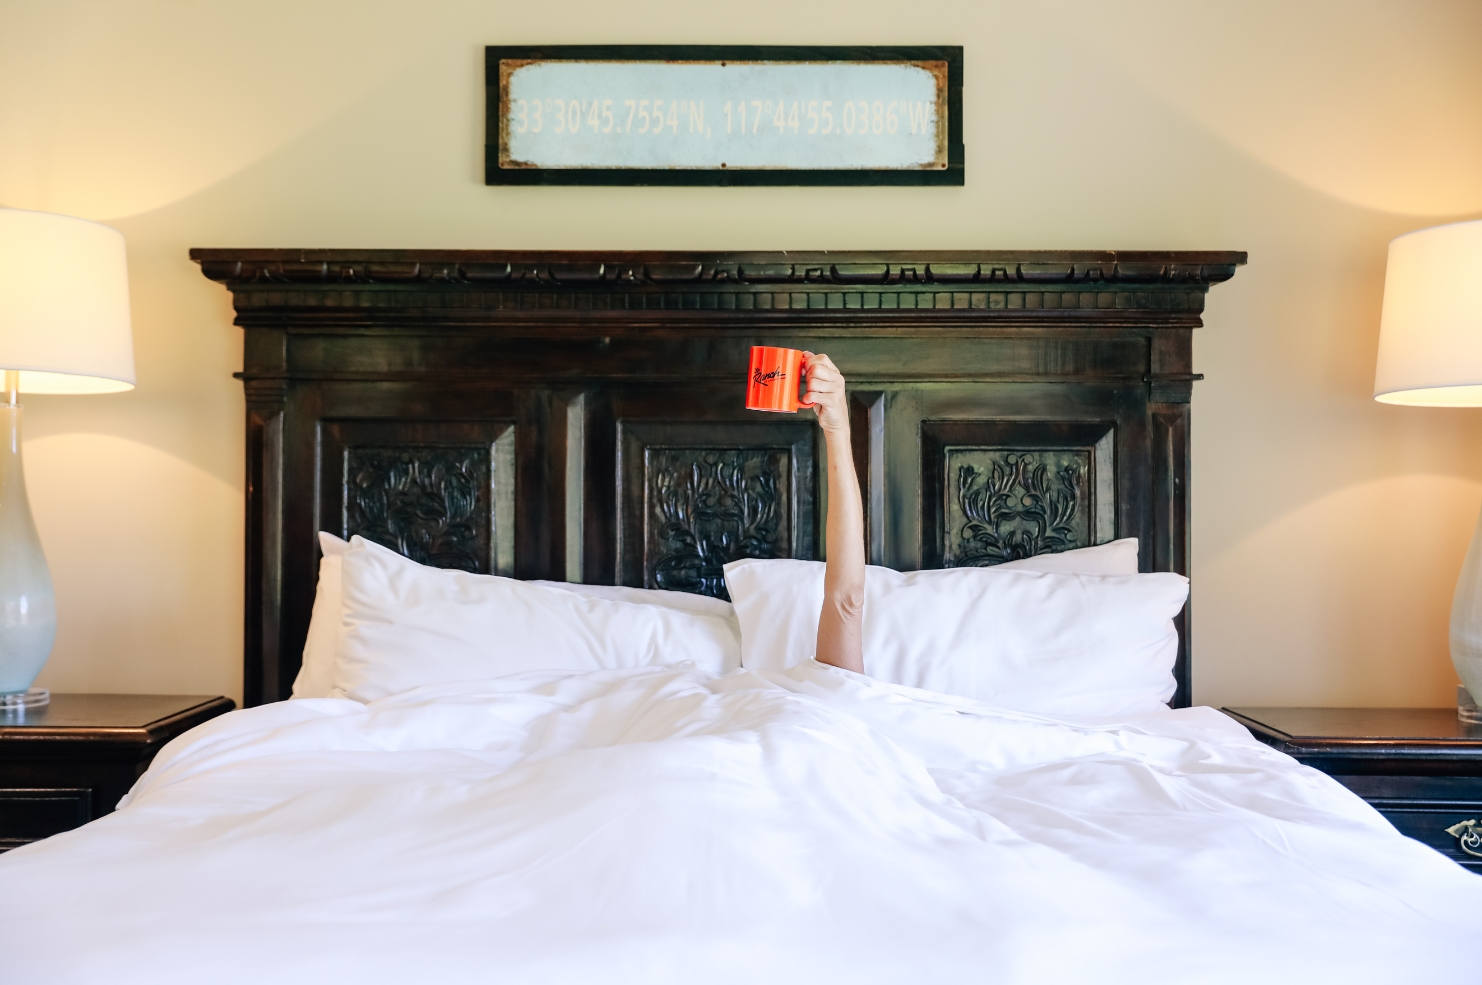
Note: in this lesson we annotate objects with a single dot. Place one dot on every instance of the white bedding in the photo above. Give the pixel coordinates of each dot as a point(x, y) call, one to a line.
point(652, 826)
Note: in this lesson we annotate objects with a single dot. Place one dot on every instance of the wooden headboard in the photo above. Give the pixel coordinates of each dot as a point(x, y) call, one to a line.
point(578, 416)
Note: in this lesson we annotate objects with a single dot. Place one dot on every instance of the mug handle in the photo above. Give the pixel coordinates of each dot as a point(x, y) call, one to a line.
point(803, 382)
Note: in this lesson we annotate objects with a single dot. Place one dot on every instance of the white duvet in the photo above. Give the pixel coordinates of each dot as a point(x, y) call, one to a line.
point(653, 826)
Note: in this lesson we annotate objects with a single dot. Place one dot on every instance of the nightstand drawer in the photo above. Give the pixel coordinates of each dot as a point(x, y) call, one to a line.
point(1427, 823)
point(1423, 807)
point(30, 814)
point(65, 763)
point(1419, 767)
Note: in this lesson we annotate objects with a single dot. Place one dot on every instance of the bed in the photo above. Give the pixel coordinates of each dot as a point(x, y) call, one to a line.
point(576, 418)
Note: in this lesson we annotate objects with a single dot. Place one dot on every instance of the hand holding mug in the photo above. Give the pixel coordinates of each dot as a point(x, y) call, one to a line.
point(825, 392)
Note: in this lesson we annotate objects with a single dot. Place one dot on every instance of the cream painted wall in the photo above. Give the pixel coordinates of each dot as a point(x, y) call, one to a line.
point(1328, 530)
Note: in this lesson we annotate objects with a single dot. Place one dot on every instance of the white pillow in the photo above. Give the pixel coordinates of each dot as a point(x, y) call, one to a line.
point(1117, 558)
point(406, 625)
point(1053, 644)
point(684, 601)
point(316, 673)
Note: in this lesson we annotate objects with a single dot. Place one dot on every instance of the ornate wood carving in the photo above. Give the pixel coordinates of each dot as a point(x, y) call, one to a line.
point(965, 281)
point(708, 507)
point(743, 298)
point(1009, 504)
point(494, 267)
point(696, 496)
point(440, 492)
point(430, 503)
point(996, 491)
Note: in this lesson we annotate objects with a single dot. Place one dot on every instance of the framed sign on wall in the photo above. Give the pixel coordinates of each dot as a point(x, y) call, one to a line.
point(723, 115)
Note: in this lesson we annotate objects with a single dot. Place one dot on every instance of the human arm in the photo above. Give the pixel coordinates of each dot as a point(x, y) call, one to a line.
point(841, 621)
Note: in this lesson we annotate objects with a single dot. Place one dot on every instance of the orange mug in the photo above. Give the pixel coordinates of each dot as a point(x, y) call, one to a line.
point(772, 381)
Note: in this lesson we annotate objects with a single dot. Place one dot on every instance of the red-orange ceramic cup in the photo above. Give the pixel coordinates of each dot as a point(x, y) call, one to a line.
point(772, 382)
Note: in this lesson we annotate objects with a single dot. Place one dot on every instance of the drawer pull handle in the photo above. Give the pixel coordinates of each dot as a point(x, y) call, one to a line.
point(1468, 834)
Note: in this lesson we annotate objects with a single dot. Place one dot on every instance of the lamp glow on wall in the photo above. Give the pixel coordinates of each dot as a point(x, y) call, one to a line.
point(1430, 355)
point(64, 328)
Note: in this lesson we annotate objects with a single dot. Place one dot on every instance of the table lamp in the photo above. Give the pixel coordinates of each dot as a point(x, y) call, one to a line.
point(1430, 355)
point(64, 328)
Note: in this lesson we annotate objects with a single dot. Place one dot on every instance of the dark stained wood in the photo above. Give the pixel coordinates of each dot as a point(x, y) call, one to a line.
point(1331, 728)
point(134, 717)
point(1054, 483)
point(375, 377)
point(1357, 740)
point(696, 495)
point(867, 439)
point(1419, 767)
point(69, 762)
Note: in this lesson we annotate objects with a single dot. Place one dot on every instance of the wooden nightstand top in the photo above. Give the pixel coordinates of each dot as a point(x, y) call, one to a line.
point(105, 720)
point(1378, 737)
point(1412, 724)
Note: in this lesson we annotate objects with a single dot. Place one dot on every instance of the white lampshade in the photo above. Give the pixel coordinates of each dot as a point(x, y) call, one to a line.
point(64, 304)
point(1430, 335)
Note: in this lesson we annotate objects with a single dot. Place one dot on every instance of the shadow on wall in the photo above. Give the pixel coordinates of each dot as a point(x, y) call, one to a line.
point(1369, 614)
point(1374, 104)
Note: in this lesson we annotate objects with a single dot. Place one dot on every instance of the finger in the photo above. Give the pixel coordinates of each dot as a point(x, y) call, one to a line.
point(819, 377)
point(825, 369)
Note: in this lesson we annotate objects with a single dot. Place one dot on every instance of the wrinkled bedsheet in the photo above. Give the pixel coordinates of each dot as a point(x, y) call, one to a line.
point(655, 826)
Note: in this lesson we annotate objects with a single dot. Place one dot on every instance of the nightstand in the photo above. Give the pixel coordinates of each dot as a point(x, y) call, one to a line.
point(1419, 767)
point(66, 763)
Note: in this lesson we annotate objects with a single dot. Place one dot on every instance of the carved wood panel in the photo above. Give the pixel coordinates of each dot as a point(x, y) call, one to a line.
point(1004, 504)
point(431, 503)
point(997, 491)
point(421, 491)
point(696, 498)
point(706, 507)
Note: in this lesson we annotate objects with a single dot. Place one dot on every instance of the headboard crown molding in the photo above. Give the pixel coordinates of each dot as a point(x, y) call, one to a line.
point(1022, 280)
point(574, 269)
point(578, 415)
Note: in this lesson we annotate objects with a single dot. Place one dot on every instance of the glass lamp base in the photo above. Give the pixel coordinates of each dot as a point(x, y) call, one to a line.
point(20, 700)
point(1466, 709)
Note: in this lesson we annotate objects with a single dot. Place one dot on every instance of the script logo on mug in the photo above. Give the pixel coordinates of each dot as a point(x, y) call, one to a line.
point(772, 381)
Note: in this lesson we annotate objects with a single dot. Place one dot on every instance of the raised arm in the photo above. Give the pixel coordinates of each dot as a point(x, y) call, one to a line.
point(841, 623)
